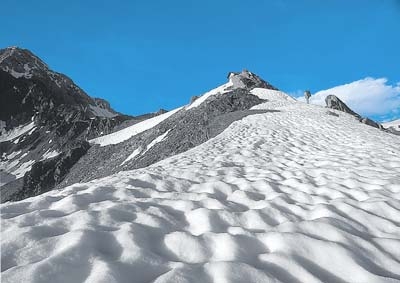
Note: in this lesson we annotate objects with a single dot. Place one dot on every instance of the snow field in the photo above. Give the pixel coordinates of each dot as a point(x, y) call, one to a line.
point(291, 196)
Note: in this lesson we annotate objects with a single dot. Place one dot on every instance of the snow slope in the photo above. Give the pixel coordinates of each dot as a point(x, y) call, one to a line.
point(133, 130)
point(291, 196)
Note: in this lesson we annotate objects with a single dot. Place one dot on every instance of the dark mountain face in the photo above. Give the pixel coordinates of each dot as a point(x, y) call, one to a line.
point(42, 113)
point(333, 102)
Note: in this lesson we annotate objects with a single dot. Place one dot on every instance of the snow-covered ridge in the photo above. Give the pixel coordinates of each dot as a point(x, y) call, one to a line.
point(395, 124)
point(295, 195)
point(221, 89)
point(133, 130)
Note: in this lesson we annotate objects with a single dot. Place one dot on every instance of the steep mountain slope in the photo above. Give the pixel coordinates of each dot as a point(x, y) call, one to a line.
point(290, 194)
point(45, 120)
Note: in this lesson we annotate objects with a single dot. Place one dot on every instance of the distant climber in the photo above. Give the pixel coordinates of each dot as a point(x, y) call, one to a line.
point(307, 95)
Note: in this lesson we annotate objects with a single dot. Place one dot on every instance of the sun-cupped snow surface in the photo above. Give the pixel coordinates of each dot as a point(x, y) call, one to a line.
point(293, 195)
point(133, 130)
point(16, 132)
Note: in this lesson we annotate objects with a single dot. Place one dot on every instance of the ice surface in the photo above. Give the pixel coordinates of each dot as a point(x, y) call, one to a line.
point(290, 196)
point(133, 130)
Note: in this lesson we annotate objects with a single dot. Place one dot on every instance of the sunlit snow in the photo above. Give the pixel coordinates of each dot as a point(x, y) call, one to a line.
point(294, 195)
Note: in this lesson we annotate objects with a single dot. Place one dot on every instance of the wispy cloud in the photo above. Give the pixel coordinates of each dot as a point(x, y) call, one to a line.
point(368, 97)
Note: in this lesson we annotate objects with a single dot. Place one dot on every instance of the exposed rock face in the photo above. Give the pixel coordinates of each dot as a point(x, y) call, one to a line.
point(371, 123)
point(333, 102)
point(42, 113)
point(45, 174)
point(248, 80)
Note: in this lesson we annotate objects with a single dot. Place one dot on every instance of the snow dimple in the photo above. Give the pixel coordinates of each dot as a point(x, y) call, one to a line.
point(133, 130)
point(289, 196)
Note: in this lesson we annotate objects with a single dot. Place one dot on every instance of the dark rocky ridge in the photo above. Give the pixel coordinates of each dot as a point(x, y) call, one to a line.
point(333, 102)
point(62, 113)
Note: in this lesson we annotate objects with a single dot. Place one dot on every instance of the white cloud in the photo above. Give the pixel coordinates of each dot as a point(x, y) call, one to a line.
point(368, 97)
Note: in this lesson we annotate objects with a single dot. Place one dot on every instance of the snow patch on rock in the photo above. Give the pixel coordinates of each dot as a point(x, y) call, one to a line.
point(135, 153)
point(133, 130)
point(221, 89)
point(16, 132)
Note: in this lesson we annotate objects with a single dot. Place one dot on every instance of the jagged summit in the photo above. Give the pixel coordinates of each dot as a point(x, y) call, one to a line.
point(21, 62)
point(333, 102)
point(248, 80)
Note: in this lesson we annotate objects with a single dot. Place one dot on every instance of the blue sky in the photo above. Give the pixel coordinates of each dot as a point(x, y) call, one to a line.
point(146, 55)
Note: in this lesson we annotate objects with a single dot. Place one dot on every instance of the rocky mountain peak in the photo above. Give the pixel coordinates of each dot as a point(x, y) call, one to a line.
point(21, 62)
point(248, 80)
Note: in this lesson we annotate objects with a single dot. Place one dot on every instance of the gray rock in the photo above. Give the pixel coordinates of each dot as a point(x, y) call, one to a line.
point(45, 174)
point(333, 102)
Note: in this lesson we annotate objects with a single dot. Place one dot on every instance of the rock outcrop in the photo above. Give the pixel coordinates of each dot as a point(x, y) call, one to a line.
point(333, 102)
point(42, 114)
